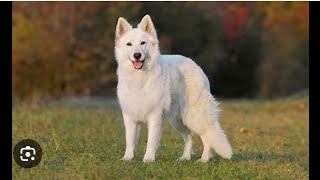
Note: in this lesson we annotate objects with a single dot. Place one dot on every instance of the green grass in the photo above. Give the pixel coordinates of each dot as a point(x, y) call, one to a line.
point(87, 142)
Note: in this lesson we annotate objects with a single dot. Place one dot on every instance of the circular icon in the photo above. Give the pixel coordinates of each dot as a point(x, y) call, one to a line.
point(27, 153)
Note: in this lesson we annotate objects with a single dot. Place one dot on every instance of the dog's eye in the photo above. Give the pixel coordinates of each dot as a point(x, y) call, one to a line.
point(142, 43)
point(129, 44)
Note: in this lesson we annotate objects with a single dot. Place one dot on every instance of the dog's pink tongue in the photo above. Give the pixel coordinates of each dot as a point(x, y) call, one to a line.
point(137, 64)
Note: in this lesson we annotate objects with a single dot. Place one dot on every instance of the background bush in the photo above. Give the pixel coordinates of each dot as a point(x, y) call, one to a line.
point(247, 49)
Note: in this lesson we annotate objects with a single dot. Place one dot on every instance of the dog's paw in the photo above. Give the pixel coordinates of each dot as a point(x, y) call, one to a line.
point(148, 160)
point(202, 160)
point(126, 158)
point(183, 158)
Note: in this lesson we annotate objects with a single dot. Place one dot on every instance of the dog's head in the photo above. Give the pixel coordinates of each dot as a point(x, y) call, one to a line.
point(136, 46)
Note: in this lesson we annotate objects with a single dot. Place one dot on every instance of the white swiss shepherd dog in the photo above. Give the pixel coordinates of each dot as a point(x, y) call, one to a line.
point(153, 87)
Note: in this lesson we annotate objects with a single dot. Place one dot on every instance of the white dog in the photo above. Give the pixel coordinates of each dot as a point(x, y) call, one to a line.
point(153, 87)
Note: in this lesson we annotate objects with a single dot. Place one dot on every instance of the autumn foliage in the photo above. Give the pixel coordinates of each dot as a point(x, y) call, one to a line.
point(247, 49)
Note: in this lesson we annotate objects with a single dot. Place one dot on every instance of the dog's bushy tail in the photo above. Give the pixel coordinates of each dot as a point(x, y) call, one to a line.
point(218, 140)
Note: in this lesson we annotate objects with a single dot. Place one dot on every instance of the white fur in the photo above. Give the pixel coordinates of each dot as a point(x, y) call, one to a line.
point(169, 87)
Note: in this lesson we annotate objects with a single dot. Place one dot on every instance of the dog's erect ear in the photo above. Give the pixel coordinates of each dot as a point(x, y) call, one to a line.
point(122, 27)
point(146, 24)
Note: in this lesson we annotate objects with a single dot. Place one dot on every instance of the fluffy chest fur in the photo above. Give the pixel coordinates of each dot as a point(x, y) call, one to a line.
point(142, 92)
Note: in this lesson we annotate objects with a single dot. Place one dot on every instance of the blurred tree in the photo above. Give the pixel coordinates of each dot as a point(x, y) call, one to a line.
point(242, 47)
point(227, 58)
point(64, 48)
point(247, 49)
point(285, 64)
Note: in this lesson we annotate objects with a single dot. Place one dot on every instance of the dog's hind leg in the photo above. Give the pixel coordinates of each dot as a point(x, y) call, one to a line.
point(187, 138)
point(208, 128)
point(206, 154)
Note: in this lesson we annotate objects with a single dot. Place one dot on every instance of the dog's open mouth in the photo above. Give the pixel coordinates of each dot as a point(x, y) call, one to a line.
point(137, 64)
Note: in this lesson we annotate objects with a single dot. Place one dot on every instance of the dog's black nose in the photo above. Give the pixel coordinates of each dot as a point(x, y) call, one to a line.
point(137, 56)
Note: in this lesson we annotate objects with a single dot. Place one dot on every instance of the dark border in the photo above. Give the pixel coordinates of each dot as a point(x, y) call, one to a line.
point(6, 89)
point(314, 89)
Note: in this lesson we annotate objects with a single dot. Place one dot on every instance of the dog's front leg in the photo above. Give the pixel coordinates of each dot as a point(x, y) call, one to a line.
point(131, 128)
point(154, 136)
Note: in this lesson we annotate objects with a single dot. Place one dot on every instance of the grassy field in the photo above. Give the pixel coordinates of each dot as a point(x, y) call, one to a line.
point(270, 140)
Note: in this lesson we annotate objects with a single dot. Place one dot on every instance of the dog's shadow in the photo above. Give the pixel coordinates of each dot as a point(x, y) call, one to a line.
point(252, 156)
point(260, 157)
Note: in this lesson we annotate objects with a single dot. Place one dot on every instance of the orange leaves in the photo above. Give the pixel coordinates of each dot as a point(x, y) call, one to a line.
point(285, 34)
point(287, 16)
